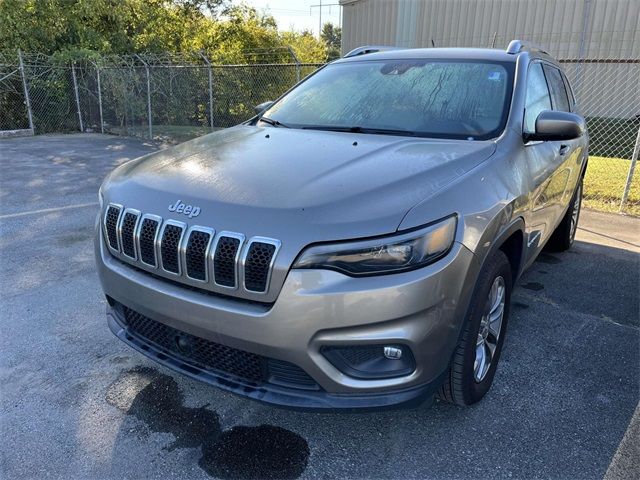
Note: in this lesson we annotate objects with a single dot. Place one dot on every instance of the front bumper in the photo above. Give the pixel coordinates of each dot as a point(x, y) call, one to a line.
point(422, 310)
point(267, 392)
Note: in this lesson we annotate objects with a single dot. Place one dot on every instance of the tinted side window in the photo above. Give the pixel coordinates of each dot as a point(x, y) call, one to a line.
point(537, 97)
point(558, 92)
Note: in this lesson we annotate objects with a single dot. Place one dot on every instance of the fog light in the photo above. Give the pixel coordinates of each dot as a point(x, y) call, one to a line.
point(393, 353)
point(371, 361)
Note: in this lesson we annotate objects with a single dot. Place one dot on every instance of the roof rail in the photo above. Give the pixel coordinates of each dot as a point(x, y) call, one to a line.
point(516, 46)
point(365, 49)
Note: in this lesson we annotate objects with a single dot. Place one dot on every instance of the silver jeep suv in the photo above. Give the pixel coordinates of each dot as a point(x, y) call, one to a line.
point(356, 243)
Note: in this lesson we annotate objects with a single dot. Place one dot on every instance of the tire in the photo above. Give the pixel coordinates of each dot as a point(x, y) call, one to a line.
point(563, 236)
point(465, 382)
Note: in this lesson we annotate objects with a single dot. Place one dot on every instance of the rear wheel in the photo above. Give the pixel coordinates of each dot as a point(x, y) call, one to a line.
point(476, 356)
point(565, 233)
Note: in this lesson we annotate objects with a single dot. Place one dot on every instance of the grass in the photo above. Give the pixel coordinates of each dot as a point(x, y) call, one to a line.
point(612, 137)
point(604, 184)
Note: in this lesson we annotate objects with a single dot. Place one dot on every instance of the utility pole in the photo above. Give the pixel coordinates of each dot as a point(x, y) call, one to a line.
point(320, 6)
point(320, 22)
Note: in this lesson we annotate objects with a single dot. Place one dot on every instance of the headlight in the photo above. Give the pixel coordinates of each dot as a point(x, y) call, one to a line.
point(397, 253)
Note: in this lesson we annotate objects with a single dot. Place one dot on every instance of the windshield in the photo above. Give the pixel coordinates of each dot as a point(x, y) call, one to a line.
point(430, 98)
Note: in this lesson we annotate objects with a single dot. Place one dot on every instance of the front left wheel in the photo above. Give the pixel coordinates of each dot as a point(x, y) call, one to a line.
point(476, 356)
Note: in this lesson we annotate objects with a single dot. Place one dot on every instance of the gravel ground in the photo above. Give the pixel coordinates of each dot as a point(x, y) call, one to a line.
point(77, 403)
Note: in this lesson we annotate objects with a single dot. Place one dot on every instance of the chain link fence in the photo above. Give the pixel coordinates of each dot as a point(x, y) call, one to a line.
point(610, 101)
point(176, 97)
point(14, 113)
point(163, 97)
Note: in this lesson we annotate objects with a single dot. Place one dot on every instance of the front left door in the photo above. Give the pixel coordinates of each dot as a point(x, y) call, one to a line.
point(567, 175)
point(543, 160)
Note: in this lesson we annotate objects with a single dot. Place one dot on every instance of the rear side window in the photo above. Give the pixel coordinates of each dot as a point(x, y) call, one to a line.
point(538, 98)
point(567, 87)
point(558, 92)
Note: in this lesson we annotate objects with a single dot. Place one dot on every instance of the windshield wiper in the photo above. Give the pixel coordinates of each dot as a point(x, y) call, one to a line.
point(275, 123)
point(357, 129)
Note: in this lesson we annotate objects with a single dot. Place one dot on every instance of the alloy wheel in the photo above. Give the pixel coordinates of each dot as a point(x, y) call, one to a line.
point(576, 212)
point(490, 328)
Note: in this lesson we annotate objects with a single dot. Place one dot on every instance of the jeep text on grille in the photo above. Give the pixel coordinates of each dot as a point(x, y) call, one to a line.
point(188, 210)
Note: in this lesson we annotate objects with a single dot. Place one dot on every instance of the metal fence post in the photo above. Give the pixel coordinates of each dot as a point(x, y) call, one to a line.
point(210, 89)
point(99, 97)
point(297, 62)
point(146, 67)
point(26, 92)
point(632, 167)
point(75, 89)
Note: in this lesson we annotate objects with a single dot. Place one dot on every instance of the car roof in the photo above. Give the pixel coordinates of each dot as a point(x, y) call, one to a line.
point(490, 54)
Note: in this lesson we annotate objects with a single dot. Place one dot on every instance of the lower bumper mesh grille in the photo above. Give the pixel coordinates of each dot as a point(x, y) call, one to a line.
point(203, 353)
point(288, 374)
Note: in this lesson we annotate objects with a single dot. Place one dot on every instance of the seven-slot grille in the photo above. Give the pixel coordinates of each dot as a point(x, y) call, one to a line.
point(148, 231)
point(111, 225)
point(258, 266)
point(196, 254)
point(170, 247)
point(225, 259)
point(127, 234)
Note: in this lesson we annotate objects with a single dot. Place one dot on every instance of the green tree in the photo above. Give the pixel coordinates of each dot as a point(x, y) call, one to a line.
point(241, 36)
point(109, 26)
point(83, 30)
point(74, 28)
point(332, 37)
point(306, 46)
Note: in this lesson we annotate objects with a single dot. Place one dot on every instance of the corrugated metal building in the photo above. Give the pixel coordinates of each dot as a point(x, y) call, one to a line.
point(599, 27)
point(598, 40)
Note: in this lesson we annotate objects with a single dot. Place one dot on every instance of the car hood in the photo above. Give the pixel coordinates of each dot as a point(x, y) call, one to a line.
point(278, 182)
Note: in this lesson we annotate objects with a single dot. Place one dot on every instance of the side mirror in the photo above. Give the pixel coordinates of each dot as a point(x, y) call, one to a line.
point(263, 106)
point(552, 125)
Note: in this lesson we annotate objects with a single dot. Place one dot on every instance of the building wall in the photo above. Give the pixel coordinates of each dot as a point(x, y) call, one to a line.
point(607, 24)
point(570, 30)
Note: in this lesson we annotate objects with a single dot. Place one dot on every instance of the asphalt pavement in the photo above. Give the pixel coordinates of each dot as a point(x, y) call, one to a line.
point(77, 403)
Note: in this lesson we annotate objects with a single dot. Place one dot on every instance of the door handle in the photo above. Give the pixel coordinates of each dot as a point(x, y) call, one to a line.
point(564, 149)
